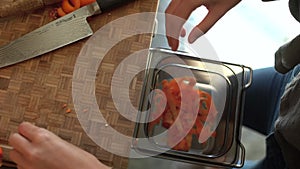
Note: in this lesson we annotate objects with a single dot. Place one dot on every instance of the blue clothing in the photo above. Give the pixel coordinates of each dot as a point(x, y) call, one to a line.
point(272, 105)
point(262, 100)
point(262, 106)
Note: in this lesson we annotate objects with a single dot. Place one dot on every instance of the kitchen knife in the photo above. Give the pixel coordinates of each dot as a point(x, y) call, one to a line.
point(63, 31)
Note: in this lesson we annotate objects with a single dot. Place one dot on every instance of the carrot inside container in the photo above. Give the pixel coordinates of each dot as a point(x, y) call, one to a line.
point(197, 99)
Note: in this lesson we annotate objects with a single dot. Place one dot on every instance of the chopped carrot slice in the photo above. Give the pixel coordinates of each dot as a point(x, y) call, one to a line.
point(70, 5)
point(68, 110)
point(86, 2)
point(60, 12)
point(195, 99)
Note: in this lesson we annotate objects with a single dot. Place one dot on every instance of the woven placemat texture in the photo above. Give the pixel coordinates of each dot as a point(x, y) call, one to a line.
point(19, 7)
point(39, 90)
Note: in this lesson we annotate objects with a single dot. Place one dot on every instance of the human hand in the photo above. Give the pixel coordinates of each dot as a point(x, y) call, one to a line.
point(38, 148)
point(184, 8)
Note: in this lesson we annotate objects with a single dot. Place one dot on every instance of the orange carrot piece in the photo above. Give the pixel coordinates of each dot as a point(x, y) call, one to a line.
point(68, 110)
point(1, 152)
point(86, 2)
point(194, 98)
point(70, 5)
point(60, 12)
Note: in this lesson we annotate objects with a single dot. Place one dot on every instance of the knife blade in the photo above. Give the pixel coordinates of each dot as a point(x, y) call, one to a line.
point(56, 34)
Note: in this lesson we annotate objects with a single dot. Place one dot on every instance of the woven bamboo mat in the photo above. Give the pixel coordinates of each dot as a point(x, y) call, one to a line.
point(37, 90)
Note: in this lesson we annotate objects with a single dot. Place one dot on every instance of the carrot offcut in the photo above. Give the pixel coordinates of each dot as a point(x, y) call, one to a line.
point(86, 2)
point(68, 6)
point(68, 110)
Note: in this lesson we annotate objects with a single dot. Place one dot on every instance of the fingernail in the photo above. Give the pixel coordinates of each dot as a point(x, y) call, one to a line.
point(174, 45)
point(194, 35)
point(192, 38)
point(183, 33)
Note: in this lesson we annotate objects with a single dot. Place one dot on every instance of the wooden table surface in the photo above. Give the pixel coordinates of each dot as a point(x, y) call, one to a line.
point(39, 90)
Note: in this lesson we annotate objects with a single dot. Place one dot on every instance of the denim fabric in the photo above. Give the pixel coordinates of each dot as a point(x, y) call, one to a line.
point(269, 85)
point(293, 73)
point(262, 100)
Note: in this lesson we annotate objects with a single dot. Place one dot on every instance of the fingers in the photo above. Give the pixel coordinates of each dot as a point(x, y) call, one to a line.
point(19, 143)
point(208, 22)
point(28, 130)
point(183, 32)
point(179, 11)
point(172, 6)
point(215, 12)
point(176, 15)
point(173, 27)
point(18, 158)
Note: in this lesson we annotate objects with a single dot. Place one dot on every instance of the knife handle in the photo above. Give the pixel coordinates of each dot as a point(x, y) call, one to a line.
point(106, 5)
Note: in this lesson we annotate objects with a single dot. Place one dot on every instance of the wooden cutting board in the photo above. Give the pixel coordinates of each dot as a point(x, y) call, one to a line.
point(15, 7)
point(40, 90)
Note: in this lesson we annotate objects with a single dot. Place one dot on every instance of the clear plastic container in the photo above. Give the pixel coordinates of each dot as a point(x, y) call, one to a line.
point(224, 82)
